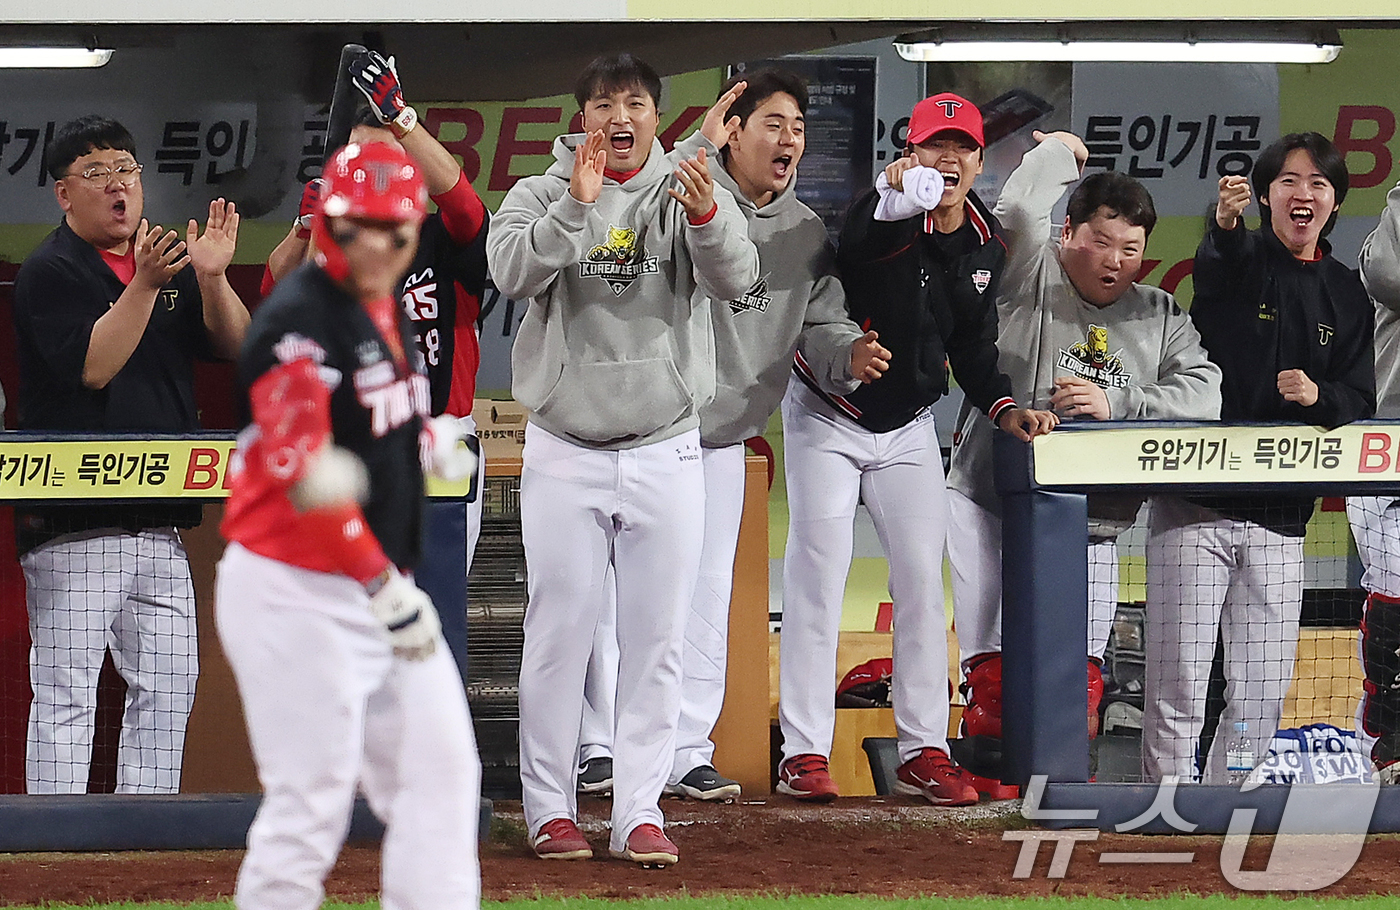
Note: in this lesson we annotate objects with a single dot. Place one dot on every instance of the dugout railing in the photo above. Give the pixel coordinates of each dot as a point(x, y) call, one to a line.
point(133, 469)
point(1044, 485)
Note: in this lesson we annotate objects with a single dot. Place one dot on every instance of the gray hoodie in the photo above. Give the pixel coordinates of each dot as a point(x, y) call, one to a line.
point(797, 297)
point(1142, 348)
point(615, 348)
point(1380, 272)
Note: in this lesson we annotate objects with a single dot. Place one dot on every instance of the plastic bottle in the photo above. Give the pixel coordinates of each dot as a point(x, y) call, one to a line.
point(1239, 755)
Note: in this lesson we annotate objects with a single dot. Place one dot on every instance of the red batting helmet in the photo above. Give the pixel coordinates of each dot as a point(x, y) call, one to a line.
point(377, 181)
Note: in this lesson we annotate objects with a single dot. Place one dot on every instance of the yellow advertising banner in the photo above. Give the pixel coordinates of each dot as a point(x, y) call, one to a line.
point(136, 468)
point(1197, 454)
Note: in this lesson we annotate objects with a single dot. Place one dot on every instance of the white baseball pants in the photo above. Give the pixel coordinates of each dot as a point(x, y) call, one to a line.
point(1209, 575)
point(974, 556)
point(640, 511)
point(600, 686)
point(130, 594)
point(832, 463)
point(1375, 525)
point(329, 707)
point(704, 658)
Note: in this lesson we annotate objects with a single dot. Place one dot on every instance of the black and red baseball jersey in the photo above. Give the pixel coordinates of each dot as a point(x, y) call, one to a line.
point(442, 296)
point(376, 410)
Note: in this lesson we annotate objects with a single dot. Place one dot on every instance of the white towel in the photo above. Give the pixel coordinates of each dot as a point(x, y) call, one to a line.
point(923, 190)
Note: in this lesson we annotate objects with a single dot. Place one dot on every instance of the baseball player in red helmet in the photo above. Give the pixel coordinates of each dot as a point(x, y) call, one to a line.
point(336, 652)
point(920, 259)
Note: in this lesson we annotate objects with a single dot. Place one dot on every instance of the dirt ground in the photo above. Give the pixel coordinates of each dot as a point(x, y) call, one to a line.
point(883, 846)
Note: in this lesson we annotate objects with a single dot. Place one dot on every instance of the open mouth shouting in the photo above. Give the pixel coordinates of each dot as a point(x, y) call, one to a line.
point(622, 142)
point(1301, 216)
point(950, 178)
point(782, 167)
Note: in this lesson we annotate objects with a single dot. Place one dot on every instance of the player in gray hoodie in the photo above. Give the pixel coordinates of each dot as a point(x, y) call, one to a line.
point(1079, 335)
point(797, 298)
point(614, 248)
point(757, 129)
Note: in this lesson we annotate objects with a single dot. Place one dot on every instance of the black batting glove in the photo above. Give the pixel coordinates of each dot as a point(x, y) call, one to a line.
point(378, 81)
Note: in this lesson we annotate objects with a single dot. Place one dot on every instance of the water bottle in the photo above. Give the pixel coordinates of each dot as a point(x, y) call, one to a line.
point(1239, 755)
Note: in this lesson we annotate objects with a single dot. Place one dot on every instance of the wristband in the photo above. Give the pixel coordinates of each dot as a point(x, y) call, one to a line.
point(377, 583)
point(404, 123)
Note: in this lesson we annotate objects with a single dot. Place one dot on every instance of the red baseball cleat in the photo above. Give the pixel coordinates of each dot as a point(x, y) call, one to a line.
point(560, 838)
point(649, 847)
point(807, 777)
point(932, 775)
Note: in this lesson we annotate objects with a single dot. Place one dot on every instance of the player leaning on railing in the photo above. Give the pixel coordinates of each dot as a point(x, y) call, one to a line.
point(1077, 333)
point(1291, 329)
point(1375, 520)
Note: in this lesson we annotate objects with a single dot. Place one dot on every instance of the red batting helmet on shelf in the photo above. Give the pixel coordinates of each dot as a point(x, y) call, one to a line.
point(376, 181)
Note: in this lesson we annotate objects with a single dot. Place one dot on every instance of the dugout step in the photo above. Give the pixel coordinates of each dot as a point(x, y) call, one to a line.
point(35, 823)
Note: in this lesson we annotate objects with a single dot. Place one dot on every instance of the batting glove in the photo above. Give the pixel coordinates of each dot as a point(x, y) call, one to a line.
point(407, 612)
point(447, 445)
point(378, 81)
point(310, 198)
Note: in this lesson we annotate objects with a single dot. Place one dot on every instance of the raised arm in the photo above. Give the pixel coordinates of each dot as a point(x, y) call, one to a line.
point(716, 234)
point(225, 317)
point(1028, 199)
point(115, 335)
point(1380, 255)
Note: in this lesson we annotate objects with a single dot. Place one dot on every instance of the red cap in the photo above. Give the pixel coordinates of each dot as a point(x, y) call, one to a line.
point(945, 111)
point(376, 181)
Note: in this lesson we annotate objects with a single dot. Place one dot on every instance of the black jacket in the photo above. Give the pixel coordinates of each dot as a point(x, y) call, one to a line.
point(931, 308)
point(62, 289)
point(1260, 310)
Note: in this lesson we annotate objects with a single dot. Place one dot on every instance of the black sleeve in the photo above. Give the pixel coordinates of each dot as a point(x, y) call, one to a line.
point(972, 345)
point(864, 240)
point(282, 331)
point(50, 314)
point(1222, 270)
point(1348, 391)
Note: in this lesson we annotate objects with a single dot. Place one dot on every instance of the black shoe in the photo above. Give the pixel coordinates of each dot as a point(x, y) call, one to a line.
point(595, 777)
point(707, 784)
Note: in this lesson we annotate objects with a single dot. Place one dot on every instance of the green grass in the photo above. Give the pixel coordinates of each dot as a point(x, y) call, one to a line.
point(851, 902)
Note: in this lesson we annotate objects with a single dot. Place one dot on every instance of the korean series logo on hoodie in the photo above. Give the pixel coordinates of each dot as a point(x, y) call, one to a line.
point(618, 261)
point(1089, 359)
point(755, 298)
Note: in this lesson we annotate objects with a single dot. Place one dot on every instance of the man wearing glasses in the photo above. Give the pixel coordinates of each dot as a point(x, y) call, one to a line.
point(110, 315)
